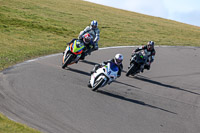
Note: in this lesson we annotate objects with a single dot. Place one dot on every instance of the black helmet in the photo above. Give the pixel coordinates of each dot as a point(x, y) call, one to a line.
point(150, 45)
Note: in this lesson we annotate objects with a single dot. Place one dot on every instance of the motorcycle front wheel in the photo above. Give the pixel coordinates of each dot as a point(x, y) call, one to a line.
point(67, 61)
point(132, 70)
point(98, 84)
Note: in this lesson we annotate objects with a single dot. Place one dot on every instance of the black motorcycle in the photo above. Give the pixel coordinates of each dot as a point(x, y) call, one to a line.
point(137, 60)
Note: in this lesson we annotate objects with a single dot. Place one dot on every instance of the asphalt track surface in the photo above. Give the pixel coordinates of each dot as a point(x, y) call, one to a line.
point(165, 99)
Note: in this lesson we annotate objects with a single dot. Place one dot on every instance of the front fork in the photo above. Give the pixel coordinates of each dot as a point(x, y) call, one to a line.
point(67, 50)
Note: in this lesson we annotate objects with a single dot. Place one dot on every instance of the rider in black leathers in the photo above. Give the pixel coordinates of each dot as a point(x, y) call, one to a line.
point(150, 52)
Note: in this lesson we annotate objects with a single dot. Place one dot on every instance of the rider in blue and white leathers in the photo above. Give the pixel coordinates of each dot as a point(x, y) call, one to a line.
point(117, 60)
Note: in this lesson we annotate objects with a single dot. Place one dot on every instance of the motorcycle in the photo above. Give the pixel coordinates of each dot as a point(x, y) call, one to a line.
point(103, 76)
point(72, 53)
point(86, 52)
point(138, 59)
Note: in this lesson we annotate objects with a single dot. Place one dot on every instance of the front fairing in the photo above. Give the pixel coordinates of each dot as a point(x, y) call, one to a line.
point(138, 58)
point(108, 72)
point(76, 47)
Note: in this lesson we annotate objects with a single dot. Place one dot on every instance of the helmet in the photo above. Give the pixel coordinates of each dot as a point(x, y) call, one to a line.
point(150, 45)
point(87, 38)
point(118, 59)
point(94, 24)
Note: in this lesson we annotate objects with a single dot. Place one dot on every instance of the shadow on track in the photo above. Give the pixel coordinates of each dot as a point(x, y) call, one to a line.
point(132, 100)
point(142, 78)
point(126, 84)
point(78, 71)
point(89, 62)
point(181, 75)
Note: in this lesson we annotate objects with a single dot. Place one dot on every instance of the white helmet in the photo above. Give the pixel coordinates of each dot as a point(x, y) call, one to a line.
point(94, 24)
point(118, 59)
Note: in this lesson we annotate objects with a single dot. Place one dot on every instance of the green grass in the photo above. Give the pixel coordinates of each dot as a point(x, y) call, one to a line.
point(33, 28)
point(8, 126)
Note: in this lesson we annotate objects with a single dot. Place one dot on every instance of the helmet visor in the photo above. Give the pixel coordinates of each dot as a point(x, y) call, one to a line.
point(87, 40)
point(118, 61)
point(94, 26)
point(150, 46)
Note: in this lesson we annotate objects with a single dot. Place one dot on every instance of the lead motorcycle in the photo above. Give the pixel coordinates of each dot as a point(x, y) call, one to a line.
point(72, 53)
point(138, 59)
point(103, 76)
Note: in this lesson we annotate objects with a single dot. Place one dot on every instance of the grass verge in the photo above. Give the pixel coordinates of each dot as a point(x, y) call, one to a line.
point(8, 126)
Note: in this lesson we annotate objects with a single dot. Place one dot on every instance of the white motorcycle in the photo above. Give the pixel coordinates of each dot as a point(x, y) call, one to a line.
point(103, 76)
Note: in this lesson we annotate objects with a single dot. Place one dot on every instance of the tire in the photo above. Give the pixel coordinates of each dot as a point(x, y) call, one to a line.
point(132, 70)
point(67, 61)
point(98, 84)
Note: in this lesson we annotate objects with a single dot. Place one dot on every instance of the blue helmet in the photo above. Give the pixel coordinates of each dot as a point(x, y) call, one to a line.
point(94, 24)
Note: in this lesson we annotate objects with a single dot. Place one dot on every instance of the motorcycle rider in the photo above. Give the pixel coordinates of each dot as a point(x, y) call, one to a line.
point(149, 52)
point(88, 43)
point(93, 31)
point(117, 60)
